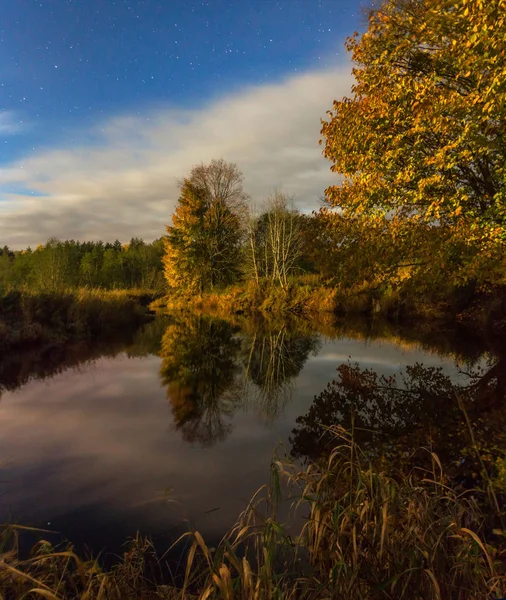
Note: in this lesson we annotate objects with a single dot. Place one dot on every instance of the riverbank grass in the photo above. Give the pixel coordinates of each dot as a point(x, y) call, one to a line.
point(309, 295)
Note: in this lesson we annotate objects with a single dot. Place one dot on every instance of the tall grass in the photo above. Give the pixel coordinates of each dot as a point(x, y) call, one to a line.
point(365, 533)
point(311, 294)
point(303, 295)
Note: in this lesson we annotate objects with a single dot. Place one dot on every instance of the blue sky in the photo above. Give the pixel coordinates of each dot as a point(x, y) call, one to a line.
point(105, 103)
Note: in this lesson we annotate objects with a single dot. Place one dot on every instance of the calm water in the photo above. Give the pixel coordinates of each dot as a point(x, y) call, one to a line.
point(177, 425)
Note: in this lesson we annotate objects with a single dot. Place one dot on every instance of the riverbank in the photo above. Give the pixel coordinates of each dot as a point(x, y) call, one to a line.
point(34, 318)
point(482, 311)
point(369, 532)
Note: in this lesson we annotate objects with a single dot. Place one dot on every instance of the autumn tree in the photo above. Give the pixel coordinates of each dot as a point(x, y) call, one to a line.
point(421, 138)
point(202, 247)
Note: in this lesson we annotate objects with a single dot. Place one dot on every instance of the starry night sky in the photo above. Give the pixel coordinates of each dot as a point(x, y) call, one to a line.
point(102, 101)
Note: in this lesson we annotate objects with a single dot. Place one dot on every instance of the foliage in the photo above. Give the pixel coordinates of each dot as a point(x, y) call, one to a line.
point(421, 140)
point(59, 265)
point(202, 247)
point(184, 261)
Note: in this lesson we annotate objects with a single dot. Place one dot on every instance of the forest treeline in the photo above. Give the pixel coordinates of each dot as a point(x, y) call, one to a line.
point(68, 264)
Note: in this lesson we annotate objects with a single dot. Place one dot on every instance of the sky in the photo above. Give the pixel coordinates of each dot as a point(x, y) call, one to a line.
point(106, 104)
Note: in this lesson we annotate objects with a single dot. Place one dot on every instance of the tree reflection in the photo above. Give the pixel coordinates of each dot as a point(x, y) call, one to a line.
point(392, 417)
point(17, 368)
point(200, 371)
point(211, 369)
point(273, 358)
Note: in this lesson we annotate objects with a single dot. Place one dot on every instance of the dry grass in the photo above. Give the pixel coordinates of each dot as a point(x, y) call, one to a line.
point(310, 295)
point(303, 296)
point(366, 533)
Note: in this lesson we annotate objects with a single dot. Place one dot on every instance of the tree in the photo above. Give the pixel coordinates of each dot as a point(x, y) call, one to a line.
point(202, 248)
point(70, 264)
point(371, 249)
point(422, 136)
point(221, 181)
point(275, 242)
point(185, 260)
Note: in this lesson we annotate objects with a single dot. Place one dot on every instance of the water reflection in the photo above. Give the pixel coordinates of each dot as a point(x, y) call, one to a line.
point(273, 356)
point(199, 370)
point(462, 420)
point(199, 404)
point(211, 368)
point(20, 367)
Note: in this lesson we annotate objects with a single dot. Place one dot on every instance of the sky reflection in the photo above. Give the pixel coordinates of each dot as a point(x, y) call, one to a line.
point(97, 451)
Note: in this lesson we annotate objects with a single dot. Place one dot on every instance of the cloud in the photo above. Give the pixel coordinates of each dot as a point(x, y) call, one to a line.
point(9, 123)
point(123, 183)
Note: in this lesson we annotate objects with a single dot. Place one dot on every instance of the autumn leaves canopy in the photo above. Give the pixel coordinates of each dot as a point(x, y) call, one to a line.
point(421, 141)
point(421, 149)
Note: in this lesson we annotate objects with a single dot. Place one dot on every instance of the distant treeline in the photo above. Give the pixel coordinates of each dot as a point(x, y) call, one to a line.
point(70, 264)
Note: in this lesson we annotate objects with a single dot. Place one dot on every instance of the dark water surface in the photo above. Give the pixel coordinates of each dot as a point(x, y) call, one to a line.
point(176, 426)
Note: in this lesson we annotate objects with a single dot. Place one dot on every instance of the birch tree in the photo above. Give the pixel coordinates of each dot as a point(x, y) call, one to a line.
point(274, 245)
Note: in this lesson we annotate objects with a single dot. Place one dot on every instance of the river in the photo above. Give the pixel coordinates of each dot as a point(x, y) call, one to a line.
point(175, 425)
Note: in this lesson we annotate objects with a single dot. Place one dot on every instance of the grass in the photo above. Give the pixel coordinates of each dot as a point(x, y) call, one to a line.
point(303, 295)
point(29, 318)
point(310, 295)
point(365, 533)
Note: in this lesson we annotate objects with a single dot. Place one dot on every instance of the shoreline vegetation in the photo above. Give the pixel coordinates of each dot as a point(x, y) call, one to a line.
point(308, 297)
point(67, 291)
point(29, 317)
point(369, 531)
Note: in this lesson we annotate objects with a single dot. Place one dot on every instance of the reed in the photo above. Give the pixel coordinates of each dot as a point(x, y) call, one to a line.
point(311, 295)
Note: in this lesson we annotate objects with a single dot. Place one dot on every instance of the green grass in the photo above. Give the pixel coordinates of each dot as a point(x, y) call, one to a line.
point(366, 533)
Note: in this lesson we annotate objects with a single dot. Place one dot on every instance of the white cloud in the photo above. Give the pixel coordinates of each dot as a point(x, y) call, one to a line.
point(9, 123)
point(125, 182)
